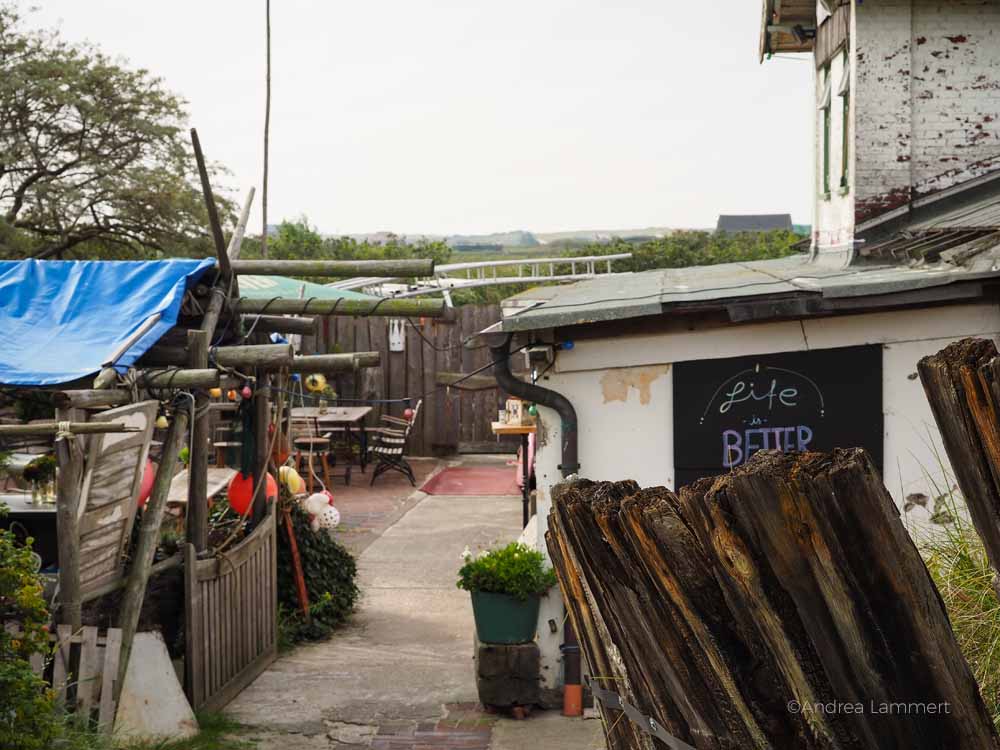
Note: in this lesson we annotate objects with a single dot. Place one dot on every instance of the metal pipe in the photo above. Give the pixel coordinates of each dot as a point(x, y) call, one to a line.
point(544, 397)
point(572, 690)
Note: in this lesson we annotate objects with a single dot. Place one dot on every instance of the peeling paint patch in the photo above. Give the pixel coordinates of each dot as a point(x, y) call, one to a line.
point(960, 39)
point(616, 384)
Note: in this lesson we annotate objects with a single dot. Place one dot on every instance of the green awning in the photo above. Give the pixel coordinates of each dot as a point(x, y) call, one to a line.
point(267, 287)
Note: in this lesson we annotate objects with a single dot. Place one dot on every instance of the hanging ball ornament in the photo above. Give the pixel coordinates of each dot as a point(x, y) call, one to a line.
point(329, 518)
point(240, 492)
point(232, 395)
point(408, 413)
point(292, 480)
point(315, 382)
point(162, 422)
point(215, 392)
point(245, 392)
point(533, 410)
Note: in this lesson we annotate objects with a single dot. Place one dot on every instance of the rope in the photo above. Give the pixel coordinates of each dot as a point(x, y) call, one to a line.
point(62, 431)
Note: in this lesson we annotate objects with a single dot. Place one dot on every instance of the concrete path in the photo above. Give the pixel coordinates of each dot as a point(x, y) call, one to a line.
point(400, 674)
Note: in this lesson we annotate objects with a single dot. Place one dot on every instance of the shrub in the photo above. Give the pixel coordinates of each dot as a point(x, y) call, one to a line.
point(28, 720)
point(957, 562)
point(515, 569)
point(330, 572)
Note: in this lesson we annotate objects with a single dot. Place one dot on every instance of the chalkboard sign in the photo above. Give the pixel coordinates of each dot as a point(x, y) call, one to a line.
point(725, 410)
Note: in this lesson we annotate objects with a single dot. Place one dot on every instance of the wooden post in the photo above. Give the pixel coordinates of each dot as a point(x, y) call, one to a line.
point(788, 582)
point(197, 505)
point(964, 407)
point(69, 459)
point(335, 362)
point(149, 538)
point(52, 428)
point(243, 357)
point(213, 213)
point(262, 457)
point(427, 308)
point(219, 291)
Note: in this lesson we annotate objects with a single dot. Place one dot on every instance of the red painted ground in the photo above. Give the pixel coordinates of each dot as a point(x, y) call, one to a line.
point(473, 480)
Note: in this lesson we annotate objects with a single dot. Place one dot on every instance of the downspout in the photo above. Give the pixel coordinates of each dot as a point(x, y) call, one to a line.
point(543, 397)
point(572, 687)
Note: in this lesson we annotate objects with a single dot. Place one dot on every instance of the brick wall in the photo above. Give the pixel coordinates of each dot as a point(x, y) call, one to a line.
point(927, 98)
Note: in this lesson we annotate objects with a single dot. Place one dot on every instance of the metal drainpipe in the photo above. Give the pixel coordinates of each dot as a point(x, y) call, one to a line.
point(570, 648)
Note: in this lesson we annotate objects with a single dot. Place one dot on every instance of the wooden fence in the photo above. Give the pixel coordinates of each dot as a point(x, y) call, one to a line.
point(453, 419)
point(231, 618)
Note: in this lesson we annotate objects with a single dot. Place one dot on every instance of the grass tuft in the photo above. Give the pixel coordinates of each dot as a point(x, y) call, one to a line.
point(957, 562)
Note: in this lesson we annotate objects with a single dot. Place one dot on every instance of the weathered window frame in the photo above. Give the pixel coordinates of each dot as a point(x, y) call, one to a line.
point(824, 108)
point(845, 145)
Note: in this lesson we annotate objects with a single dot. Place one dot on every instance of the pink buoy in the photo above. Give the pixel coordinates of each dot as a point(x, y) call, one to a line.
point(246, 392)
point(146, 486)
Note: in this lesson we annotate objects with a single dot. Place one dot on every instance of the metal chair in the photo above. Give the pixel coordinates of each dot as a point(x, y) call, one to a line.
point(388, 449)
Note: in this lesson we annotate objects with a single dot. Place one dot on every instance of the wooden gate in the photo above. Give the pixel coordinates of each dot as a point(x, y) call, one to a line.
point(232, 617)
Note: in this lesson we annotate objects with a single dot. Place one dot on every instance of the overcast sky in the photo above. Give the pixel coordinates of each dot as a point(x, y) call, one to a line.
point(448, 116)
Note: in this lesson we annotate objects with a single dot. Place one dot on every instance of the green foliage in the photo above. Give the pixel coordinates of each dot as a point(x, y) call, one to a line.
point(957, 562)
point(330, 572)
point(28, 720)
point(515, 569)
point(298, 240)
point(96, 159)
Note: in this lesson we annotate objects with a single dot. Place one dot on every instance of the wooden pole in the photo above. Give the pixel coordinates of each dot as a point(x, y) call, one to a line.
point(262, 457)
point(213, 213)
point(149, 538)
point(197, 505)
point(90, 399)
point(267, 125)
point(427, 308)
point(345, 269)
point(70, 462)
point(221, 289)
point(280, 324)
point(179, 379)
point(259, 355)
point(52, 428)
point(335, 362)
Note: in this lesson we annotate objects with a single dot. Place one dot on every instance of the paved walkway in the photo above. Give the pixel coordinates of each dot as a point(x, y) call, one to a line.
point(399, 676)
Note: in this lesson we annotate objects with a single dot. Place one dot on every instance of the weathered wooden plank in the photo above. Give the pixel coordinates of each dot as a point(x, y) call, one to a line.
point(61, 665)
point(956, 395)
point(89, 680)
point(109, 672)
point(428, 386)
point(414, 387)
point(194, 661)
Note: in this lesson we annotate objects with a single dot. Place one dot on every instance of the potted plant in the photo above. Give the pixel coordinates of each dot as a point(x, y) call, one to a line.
point(41, 472)
point(506, 586)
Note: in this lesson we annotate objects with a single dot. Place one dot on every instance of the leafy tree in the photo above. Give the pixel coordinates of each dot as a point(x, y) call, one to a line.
point(93, 154)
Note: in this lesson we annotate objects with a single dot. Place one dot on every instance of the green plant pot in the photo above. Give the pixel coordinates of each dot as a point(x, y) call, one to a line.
point(502, 618)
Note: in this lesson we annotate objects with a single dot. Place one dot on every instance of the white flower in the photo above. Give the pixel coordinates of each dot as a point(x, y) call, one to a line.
point(482, 553)
point(466, 554)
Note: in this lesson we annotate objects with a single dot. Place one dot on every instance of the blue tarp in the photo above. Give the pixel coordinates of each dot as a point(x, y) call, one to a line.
point(64, 320)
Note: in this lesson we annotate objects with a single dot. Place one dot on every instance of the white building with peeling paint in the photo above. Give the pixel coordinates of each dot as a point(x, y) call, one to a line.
point(680, 373)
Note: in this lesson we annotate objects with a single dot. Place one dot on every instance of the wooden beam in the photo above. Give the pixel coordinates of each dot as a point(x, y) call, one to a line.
point(90, 399)
point(346, 269)
point(335, 362)
point(213, 213)
point(268, 356)
point(427, 308)
point(69, 459)
point(281, 324)
point(177, 378)
point(261, 433)
point(197, 506)
point(226, 282)
point(468, 383)
point(149, 538)
point(77, 428)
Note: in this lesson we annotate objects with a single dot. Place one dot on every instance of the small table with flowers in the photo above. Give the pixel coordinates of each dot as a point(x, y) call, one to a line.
point(501, 428)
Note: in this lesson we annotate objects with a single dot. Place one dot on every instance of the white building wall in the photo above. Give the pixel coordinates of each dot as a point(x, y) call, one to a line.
point(928, 98)
point(834, 209)
point(622, 389)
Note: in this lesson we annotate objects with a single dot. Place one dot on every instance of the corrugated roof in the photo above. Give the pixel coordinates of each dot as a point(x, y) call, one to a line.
point(707, 287)
point(753, 222)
